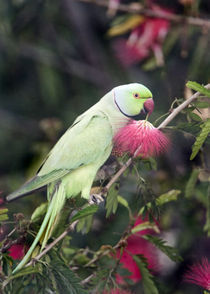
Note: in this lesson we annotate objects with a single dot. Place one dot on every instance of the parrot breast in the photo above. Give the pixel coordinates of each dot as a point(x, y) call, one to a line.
point(81, 179)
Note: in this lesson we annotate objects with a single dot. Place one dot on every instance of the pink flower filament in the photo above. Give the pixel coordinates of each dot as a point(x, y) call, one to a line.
point(199, 274)
point(140, 138)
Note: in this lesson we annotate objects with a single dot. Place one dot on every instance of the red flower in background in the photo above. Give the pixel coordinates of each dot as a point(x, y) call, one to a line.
point(17, 251)
point(137, 245)
point(199, 274)
point(146, 37)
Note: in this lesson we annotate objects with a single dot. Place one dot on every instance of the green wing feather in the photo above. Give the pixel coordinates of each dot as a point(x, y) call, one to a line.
point(81, 144)
point(36, 183)
point(73, 150)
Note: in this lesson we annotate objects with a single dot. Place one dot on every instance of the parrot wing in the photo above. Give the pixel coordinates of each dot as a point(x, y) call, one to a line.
point(36, 183)
point(80, 145)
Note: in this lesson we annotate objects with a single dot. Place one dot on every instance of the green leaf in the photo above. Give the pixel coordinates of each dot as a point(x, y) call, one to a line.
point(171, 195)
point(153, 163)
point(3, 217)
point(112, 200)
point(207, 224)
point(23, 272)
point(89, 210)
point(123, 27)
point(150, 64)
point(102, 281)
point(3, 211)
point(199, 88)
point(190, 127)
point(171, 252)
point(123, 272)
point(64, 278)
point(32, 283)
point(50, 276)
point(162, 199)
point(205, 129)
point(3, 214)
point(145, 226)
point(39, 212)
point(147, 279)
point(191, 183)
point(195, 117)
point(84, 225)
point(201, 104)
point(124, 202)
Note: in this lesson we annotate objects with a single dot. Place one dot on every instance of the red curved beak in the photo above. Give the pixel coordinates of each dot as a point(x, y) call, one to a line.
point(149, 106)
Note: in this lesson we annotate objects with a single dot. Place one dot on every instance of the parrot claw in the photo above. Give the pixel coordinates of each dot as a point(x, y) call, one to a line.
point(96, 199)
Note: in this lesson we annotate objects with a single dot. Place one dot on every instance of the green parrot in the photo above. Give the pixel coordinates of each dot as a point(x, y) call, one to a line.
point(71, 166)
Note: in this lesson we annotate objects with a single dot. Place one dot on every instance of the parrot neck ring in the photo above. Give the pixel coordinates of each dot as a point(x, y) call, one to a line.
point(143, 113)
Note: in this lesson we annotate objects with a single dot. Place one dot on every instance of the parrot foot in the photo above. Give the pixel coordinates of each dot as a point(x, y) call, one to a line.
point(96, 199)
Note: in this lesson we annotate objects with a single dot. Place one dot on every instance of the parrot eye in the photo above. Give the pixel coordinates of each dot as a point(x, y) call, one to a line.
point(136, 95)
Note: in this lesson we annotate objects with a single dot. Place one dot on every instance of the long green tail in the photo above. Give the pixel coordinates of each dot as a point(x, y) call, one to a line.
point(48, 224)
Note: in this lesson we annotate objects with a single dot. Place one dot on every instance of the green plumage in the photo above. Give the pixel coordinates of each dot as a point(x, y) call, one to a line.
point(71, 166)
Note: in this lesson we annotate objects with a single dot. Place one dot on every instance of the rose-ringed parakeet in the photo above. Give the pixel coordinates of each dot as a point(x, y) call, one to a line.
point(71, 166)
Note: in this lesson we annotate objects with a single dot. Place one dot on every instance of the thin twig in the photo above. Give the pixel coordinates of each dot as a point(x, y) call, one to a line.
point(51, 245)
point(137, 8)
point(12, 232)
point(118, 174)
point(105, 252)
point(180, 108)
point(87, 280)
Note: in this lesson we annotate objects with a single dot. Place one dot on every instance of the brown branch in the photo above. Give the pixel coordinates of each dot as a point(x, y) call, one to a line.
point(118, 174)
point(137, 8)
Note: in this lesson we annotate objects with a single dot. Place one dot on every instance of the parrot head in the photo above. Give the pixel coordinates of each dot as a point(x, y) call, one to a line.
point(134, 100)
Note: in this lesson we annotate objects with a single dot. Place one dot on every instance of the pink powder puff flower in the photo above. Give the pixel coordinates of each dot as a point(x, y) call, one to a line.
point(199, 274)
point(145, 37)
point(140, 138)
point(17, 251)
